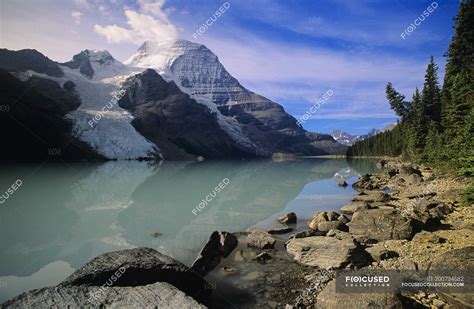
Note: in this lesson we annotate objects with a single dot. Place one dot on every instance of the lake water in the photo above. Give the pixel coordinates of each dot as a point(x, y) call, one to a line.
point(63, 215)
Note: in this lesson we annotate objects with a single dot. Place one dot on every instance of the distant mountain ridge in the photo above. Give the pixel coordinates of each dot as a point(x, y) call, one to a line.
point(349, 139)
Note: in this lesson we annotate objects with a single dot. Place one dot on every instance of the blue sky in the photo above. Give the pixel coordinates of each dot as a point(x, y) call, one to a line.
point(290, 51)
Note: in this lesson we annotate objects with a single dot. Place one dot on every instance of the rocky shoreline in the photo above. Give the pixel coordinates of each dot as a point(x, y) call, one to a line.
point(405, 217)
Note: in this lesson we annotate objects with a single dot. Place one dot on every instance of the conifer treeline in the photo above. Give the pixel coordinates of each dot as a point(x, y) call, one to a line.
point(437, 125)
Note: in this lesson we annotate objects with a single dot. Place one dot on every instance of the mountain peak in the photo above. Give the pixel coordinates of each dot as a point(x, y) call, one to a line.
point(161, 55)
point(99, 56)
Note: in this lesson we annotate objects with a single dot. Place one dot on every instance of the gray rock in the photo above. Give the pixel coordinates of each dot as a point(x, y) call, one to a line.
point(281, 230)
point(392, 172)
point(327, 252)
point(342, 183)
point(413, 179)
point(380, 224)
point(343, 219)
point(140, 277)
point(350, 208)
point(329, 299)
point(263, 257)
point(457, 259)
point(332, 215)
point(320, 216)
point(219, 245)
point(427, 237)
point(428, 213)
point(260, 240)
point(155, 295)
point(142, 266)
point(331, 225)
point(407, 170)
point(372, 196)
point(306, 233)
point(289, 218)
point(379, 253)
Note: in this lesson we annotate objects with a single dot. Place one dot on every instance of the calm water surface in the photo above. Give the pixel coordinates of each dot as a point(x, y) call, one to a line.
point(63, 215)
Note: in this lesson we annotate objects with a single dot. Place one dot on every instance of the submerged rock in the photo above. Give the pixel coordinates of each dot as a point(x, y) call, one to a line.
point(219, 245)
point(289, 218)
point(342, 183)
point(281, 230)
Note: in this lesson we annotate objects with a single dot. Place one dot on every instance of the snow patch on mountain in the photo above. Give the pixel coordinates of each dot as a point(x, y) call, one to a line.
point(112, 135)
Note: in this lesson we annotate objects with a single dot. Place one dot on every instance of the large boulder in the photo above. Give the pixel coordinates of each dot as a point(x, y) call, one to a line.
point(330, 299)
point(139, 267)
point(327, 252)
point(381, 224)
point(140, 277)
point(156, 295)
point(407, 170)
point(219, 245)
point(371, 197)
point(365, 183)
point(351, 208)
point(322, 216)
point(331, 225)
point(379, 253)
point(260, 240)
point(461, 260)
point(427, 213)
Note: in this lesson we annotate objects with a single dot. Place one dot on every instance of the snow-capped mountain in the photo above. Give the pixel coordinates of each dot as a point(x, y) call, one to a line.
point(345, 138)
point(252, 120)
point(349, 139)
point(193, 107)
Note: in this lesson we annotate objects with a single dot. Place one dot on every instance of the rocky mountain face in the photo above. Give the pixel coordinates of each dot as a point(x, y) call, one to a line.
point(180, 127)
point(32, 121)
point(188, 106)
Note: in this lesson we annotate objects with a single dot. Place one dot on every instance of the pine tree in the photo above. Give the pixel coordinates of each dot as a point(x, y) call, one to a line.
point(397, 101)
point(458, 89)
point(431, 94)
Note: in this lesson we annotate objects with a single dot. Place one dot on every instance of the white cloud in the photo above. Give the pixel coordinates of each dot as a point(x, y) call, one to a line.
point(150, 24)
point(76, 16)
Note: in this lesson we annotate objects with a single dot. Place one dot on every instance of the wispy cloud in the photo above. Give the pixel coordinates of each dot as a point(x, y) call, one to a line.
point(151, 23)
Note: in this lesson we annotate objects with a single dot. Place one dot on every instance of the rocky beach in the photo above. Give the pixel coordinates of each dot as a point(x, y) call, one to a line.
point(405, 217)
